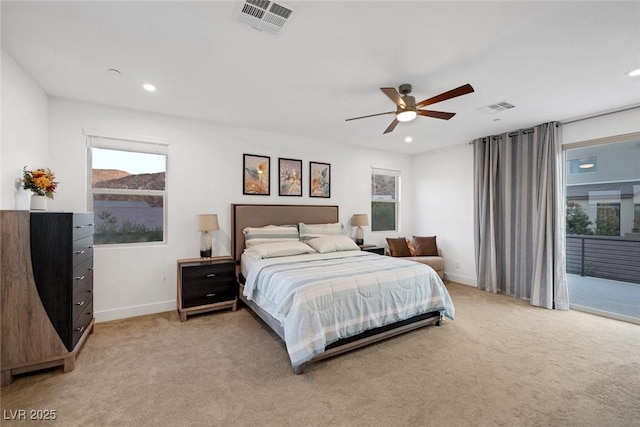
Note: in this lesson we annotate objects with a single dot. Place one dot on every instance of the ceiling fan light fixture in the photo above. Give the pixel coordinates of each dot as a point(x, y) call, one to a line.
point(406, 116)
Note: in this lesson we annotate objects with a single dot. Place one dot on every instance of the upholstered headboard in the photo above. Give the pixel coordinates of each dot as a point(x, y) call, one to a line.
point(260, 215)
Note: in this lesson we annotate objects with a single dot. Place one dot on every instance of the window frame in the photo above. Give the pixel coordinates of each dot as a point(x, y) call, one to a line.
point(142, 145)
point(396, 201)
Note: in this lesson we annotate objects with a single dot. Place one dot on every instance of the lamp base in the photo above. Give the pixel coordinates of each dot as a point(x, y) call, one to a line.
point(359, 236)
point(206, 245)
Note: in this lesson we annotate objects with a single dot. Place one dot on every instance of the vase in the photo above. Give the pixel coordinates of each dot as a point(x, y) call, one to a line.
point(38, 203)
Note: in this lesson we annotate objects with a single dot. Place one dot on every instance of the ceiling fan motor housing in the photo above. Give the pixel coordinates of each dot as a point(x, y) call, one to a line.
point(404, 89)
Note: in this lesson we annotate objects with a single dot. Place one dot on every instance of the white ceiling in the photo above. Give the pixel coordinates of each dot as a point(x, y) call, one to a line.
point(552, 60)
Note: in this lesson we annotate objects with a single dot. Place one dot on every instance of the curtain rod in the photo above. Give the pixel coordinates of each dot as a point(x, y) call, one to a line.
point(593, 116)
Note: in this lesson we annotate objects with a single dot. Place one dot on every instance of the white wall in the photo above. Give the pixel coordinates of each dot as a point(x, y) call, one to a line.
point(607, 125)
point(24, 132)
point(443, 194)
point(204, 176)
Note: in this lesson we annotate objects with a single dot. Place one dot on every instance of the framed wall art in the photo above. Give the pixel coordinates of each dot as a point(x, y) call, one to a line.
point(319, 179)
point(257, 174)
point(290, 177)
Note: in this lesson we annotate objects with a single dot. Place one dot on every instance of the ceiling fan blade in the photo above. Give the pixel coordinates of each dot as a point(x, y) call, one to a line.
point(436, 114)
point(370, 115)
point(392, 93)
point(391, 127)
point(462, 90)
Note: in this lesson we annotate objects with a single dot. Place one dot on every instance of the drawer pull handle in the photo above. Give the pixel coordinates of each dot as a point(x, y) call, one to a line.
point(90, 268)
point(90, 225)
point(79, 252)
point(80, 329)
point(79, 278)
point(211, 295)
point(90, 247)
point(80, 303)
point(79, 226)
point(211, 275)
point(89, 290)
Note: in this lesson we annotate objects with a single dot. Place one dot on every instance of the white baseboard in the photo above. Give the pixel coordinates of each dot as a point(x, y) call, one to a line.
point(463, 280)
point(139, 310)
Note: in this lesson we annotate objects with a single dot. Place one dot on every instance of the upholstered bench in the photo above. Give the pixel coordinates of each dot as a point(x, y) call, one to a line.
point(420, 249)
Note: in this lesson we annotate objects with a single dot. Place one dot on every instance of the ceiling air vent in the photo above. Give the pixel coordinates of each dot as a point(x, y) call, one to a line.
point(496, 108)
point(265, 15)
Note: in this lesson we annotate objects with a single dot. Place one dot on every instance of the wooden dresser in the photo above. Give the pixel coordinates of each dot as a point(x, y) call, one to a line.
point(47, 289)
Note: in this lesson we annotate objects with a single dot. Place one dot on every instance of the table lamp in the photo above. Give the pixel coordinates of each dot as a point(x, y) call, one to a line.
point(359, 220)
point(208, 222)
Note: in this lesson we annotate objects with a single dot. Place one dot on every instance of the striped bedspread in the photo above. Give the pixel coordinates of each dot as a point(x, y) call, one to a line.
point(320, 298)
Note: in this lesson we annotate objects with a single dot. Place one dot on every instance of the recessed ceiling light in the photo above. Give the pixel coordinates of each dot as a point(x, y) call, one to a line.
point(634, 73)
point(408, 139)
point(149, 87)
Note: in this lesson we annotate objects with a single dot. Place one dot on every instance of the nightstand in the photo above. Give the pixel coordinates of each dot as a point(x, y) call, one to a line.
point(372, 248)
point(206, 284)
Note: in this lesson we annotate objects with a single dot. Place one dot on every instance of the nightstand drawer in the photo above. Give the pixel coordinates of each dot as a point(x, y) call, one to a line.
point(219, 273)
point(203, 293)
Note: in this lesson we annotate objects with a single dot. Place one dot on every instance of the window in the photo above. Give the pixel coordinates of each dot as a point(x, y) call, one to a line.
point(385, 191)
point(584, 165)
point(608, 219)
point(128, 195)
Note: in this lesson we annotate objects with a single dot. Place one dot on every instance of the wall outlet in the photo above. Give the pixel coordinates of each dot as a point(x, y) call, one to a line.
point(457, 265)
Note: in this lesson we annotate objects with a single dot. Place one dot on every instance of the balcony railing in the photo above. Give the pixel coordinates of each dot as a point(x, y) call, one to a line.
point(614, 258)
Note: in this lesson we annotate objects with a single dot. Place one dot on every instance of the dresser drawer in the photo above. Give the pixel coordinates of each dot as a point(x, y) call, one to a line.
point(80, 324)
point(82, 273)
point(82, 297)
point(82, 250)
point(82, 225)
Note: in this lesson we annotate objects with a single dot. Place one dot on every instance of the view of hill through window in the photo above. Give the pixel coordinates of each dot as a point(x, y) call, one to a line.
point(128, 206)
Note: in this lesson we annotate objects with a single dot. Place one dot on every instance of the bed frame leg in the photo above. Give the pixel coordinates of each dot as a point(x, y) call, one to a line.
point(298, 370)
point(439, 321)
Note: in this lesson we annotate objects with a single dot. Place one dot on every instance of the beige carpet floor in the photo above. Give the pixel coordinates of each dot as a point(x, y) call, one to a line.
point(501, 362)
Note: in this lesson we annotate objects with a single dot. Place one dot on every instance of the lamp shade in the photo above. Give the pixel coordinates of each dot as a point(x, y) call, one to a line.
point(208, 222)
point(359, 220)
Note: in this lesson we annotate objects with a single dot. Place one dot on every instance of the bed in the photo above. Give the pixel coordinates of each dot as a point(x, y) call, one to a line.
point(324, 304)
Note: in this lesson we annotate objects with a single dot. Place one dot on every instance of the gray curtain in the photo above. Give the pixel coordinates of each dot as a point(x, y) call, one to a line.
point(519, 216)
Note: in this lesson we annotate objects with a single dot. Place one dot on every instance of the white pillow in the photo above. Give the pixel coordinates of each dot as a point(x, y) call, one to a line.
point(333, 244)
point(311, 231)
point(254, 236)
point(278, 249)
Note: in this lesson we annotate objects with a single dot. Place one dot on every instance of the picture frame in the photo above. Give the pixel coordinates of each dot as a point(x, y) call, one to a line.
point(319, 179)
point(289, 177)
point(256, 175)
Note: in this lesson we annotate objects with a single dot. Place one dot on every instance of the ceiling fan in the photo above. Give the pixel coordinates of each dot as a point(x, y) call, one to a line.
point(407, 109)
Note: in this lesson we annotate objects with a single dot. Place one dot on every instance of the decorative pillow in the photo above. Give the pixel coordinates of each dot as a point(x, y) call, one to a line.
point(254, 236)
point(278, 249)
point(311, 231)
point(425, 246)
point(412, 247)
point(398, 247)
point(327, 244)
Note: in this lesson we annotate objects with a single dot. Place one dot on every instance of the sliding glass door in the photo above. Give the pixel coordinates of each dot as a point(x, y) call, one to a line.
point(603, 228)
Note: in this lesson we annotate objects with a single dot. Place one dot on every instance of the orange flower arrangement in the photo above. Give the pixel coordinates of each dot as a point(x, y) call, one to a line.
point(40, 181)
